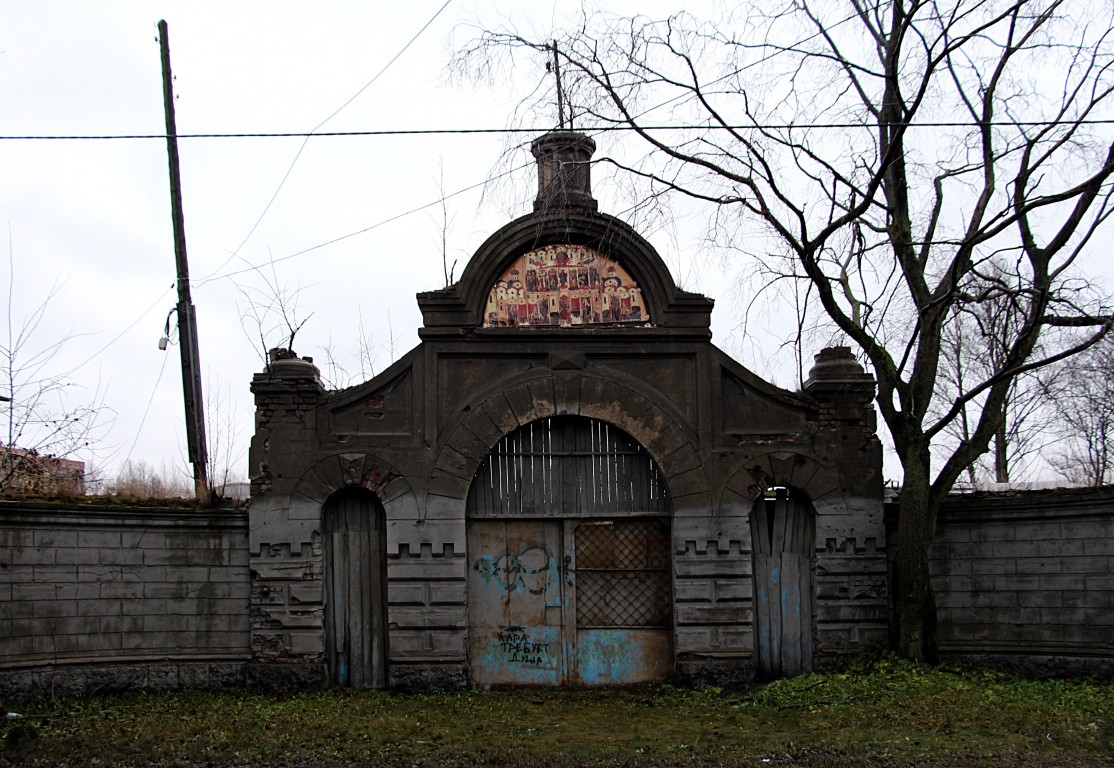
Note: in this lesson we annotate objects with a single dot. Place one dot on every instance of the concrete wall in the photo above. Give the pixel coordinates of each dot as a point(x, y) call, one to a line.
point(97, 599)
point(1026, 580)
point(110, 598)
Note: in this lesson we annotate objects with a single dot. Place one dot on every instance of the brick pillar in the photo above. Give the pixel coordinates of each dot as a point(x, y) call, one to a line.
point(852, 604)
point(284, 542)
point(844, 389)
point(286, 398)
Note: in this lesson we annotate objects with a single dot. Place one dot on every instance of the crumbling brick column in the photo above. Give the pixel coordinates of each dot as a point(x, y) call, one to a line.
point(844, 389)
point(284, 539)
point(852, 579)
point(286, 397)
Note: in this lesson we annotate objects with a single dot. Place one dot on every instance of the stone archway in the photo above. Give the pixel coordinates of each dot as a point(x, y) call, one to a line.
point(650, 420)
point(781, 493)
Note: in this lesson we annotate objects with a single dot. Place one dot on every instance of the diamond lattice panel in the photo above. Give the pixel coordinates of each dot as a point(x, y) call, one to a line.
point(622, 574)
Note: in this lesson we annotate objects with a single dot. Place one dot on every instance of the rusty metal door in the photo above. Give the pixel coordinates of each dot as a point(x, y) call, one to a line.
point(516, 602)
point(569, 602)
point(355, 586)
point(782, 531)
point(623, 616)
point(570, 580)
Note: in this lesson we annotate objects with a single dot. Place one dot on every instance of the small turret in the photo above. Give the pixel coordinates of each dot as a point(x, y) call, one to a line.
point(843, 388)
point(564, 171)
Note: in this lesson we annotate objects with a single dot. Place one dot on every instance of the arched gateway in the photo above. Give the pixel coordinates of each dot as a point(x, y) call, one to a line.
point(566, 473)
point(568, 544)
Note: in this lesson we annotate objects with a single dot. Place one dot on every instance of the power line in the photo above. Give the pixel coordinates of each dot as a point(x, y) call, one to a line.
point(386, 66)
point(313, 132)
point(590, 131)
point(594, 129)
point(341, 238)
point(213, 276)
point(120, 335)
point(147, 410)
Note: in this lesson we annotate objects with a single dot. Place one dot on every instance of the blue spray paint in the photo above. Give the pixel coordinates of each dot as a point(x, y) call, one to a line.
point(531, 571)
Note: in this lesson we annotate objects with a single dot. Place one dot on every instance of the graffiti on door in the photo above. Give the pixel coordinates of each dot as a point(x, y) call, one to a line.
point(533, 571)
point(519, 646)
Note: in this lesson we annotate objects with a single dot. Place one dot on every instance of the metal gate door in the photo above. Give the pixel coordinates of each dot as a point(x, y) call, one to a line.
point(355, 584)
point(554, 602)
point(623, 617)
point(783, 539)
point(569, 546)
point(516, 597)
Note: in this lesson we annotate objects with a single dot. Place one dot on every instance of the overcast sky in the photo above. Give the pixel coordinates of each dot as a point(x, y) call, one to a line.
point(92, 217)
point(347, 227)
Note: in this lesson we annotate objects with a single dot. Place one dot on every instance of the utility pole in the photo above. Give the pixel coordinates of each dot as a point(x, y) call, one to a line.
point(560, 90)
point(187, 319)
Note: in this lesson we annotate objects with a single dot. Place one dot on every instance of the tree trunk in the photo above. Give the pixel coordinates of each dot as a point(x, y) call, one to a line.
point(916, 603)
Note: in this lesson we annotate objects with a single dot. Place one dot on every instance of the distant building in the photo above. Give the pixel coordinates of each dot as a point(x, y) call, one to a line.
point(26, 473)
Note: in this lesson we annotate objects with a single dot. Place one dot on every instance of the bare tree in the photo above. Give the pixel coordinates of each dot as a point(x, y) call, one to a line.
point(974, 347)
point(1084, 405)
point(337, 374)
point(443, 222)
point(891, 151)
point(226, 459)
point(46, 415)
point(269, 315)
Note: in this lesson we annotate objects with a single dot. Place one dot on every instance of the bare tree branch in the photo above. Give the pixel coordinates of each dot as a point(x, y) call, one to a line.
point(896, 231)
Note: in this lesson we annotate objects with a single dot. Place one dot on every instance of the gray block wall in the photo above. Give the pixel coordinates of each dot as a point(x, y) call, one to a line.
point(97, 599)
point(1025, 581)
point(851, 580)
point(107, 598)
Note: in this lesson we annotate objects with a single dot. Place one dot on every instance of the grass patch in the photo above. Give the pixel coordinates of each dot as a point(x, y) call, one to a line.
point(875, 712)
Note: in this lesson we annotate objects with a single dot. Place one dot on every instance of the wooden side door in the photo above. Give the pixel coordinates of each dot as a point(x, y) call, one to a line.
point(355, 584)
point(782, 531)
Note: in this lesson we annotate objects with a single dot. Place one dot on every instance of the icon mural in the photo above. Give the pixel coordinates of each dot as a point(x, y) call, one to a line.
point(564, 285)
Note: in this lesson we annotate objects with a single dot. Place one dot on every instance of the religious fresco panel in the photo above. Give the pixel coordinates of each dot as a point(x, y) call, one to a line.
point(564, 285)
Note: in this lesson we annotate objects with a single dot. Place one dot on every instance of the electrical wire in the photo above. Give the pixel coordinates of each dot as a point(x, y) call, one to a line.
point(118, 336)
point(590, 132)
point(305, 140)
point(147, 410)
point(384, 222)
point(597, 129)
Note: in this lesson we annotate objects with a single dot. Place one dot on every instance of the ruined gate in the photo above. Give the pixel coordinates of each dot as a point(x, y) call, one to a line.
point(567, 470)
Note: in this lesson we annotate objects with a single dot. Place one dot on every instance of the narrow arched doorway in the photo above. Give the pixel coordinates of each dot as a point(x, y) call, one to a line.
point(783, 534)
point(569, 545)
point(355, 588)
